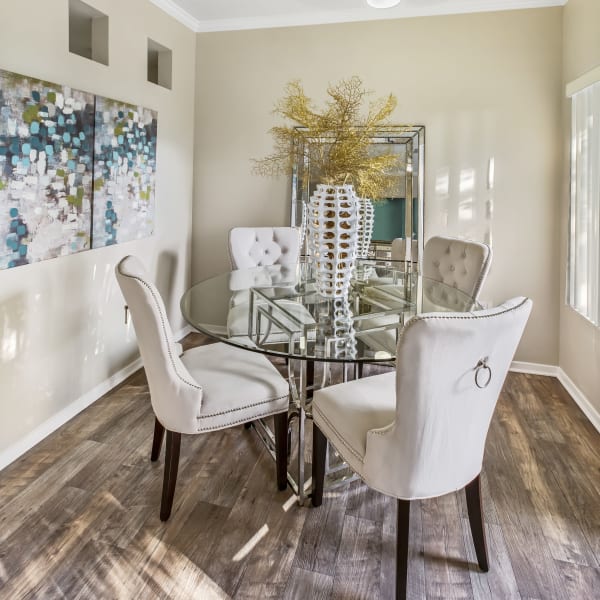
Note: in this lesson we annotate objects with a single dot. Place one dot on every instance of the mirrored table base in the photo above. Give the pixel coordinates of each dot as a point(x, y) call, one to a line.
point(302, 385)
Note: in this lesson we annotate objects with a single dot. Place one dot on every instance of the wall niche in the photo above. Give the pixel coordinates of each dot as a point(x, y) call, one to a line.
point(160, 61)
point(88, 32)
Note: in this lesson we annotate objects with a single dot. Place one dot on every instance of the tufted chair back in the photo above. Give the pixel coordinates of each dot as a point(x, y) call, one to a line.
point(399, 249)
point(262, 246)
point(271, 276)
point(444, 400)
point(458, 263)
point(242, 280)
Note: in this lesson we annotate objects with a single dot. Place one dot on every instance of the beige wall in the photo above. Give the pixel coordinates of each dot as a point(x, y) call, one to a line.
point(486, 86)
point(579, 339)
point(61, 321)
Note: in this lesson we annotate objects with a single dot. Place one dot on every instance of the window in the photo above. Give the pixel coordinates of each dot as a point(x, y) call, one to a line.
point(584, 224)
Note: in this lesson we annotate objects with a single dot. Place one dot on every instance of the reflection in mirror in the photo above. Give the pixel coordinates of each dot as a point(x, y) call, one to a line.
point(398, 216)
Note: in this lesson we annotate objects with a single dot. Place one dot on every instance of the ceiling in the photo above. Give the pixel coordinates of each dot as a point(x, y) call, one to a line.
point(227, 15)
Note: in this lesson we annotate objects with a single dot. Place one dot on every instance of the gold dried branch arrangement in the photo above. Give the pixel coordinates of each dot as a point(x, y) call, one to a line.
point(336, 140)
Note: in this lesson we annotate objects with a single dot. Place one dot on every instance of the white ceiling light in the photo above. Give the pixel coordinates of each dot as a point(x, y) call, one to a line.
point(382, 3)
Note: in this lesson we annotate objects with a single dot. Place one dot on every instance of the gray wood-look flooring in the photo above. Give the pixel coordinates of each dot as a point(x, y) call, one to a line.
point(79, 515)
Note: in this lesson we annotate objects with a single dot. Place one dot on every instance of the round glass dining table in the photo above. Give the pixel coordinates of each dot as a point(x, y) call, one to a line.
point(276, 310)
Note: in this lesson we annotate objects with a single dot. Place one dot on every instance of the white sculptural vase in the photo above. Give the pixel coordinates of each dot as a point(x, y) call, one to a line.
point(344, 335)
point(333, 237)
point(366, 220)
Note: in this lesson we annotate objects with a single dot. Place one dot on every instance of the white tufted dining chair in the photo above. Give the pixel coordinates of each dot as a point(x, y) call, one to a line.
point(204, 389)
point(263, 246)
point(398, 249)
point(462, 264)
point(420, 432)
point(243, 280)
point(277, 247)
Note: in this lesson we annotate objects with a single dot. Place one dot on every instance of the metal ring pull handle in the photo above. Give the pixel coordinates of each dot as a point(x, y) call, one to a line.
point(482, 366)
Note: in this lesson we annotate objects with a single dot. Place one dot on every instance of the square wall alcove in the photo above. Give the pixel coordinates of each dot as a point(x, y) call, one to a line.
point(88, 32)
point(160, 64)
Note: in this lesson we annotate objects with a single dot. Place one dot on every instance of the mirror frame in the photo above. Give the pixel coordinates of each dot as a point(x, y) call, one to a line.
point(412, 137)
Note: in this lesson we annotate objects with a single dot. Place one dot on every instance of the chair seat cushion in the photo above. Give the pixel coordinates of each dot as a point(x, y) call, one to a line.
point(237, 385)
point(346, 412)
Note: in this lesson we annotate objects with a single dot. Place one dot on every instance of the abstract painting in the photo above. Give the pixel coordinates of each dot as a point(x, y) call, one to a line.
point(77, 171)
point(46, 145)
point(124, 171)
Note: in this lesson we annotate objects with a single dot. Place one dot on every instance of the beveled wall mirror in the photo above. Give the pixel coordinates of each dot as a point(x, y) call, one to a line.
point(398, 216)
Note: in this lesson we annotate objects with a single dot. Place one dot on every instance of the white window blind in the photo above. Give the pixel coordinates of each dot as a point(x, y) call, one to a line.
point(584, 226)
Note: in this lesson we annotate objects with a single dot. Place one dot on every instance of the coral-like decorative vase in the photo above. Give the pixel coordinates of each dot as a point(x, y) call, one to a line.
point(333, 237)
point(366, 220)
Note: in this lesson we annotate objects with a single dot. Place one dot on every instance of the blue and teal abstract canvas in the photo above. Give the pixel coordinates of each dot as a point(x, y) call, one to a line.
point(77, 171)
point(46, 146)
point(124, 172)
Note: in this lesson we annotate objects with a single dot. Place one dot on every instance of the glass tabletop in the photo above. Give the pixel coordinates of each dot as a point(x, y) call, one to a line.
point(276, 310)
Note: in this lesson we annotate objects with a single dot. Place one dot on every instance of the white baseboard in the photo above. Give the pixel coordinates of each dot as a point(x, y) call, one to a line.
point(518, 366)
point(34, 437)
point(588, 409)
point(555, 371)
point(66, 414)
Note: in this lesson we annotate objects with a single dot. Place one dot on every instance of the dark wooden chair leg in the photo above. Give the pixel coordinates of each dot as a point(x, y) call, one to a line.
point(291, 417)
point(281, 449)
point(157, 440)
point(473, 492)
point(403, 524)
point(310, 377)
point(170, 477)
point(318, 465)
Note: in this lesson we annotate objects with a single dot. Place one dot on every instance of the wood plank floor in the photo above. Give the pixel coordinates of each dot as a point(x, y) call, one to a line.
point(79, 515)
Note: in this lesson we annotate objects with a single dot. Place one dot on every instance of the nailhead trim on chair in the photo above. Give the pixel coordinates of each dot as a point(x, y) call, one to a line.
point(470, 315)
point(187, 382)
point(226, 412)
point(164, 327)
point(230, 423)
point(382, 430)
point(338, 434)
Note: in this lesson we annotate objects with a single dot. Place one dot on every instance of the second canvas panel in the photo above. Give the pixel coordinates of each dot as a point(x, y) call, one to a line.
point(124, 172)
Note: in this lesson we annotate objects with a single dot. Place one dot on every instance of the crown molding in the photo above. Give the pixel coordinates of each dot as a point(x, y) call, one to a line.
point(175, 11)
point(587, 79)
point(348, 16)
